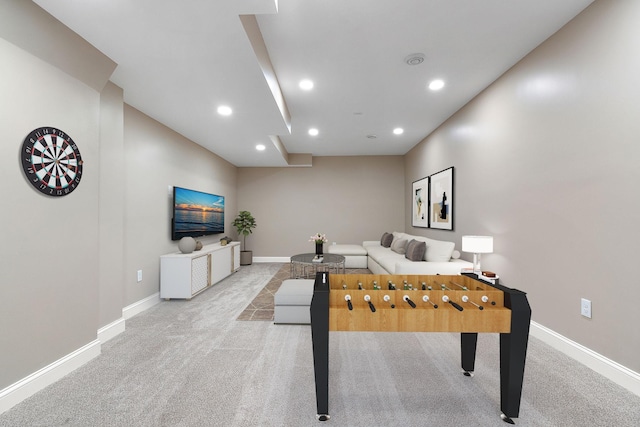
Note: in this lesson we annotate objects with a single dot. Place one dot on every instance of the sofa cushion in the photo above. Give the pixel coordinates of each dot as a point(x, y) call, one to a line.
point(378, 251)
point(347, 250)
point(386, 240)
point(415, 250)
point(439, 251)
point(399, 246)
point(389, 260)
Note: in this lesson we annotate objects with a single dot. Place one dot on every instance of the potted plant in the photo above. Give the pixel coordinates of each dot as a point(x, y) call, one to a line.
point(244, 223)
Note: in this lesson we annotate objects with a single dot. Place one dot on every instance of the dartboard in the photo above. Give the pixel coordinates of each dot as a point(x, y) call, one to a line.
point(51, 161)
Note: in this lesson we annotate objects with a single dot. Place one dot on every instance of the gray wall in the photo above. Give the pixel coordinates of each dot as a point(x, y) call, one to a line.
point(547, 162)
point(350, 199)
point(49, 274)
point(69, 263)
point(111, 220)
point(158, 158)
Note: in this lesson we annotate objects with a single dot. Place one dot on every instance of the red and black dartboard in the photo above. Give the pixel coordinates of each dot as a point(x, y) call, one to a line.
point(51, 161)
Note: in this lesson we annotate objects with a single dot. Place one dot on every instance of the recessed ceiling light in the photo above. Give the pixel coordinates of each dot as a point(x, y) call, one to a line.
point(398, 131)
point(436, 84)
point(260, 147)
point(224, 110)
point(313, 132)
point(306, 84)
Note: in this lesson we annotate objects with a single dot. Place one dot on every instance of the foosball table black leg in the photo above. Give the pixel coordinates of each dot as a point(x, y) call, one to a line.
point(319, 311)
point(513, 352)
point(468, 344)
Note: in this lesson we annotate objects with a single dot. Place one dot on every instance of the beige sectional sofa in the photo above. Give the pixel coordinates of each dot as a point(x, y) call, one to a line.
point(440, 257)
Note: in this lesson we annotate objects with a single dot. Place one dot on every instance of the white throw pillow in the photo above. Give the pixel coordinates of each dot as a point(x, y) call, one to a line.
point(439, 251)
point(399, 235)
point(399, 246)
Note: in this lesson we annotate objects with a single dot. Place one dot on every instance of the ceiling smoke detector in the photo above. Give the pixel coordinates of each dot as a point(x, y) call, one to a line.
point(414, 59)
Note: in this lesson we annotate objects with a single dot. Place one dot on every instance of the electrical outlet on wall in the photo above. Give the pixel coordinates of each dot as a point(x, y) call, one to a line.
point(585, 307)
point(139, 275)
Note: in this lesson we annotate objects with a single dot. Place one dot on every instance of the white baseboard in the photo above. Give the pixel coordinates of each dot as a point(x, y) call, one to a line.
point(111, 330)
point(138, 307)
point(17, 392)
point(614, 371)
point(271, 259)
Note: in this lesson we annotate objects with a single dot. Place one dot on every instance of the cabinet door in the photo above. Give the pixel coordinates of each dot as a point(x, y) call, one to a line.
point(236, 257)
point(220, 264)
point(199, 274)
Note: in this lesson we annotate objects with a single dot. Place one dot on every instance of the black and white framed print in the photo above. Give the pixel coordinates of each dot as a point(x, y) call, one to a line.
point(420, 201)
point(441, 200)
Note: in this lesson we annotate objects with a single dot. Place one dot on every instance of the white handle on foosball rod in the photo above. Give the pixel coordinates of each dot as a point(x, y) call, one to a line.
point(425, 298)
point(465, 298)
point(486, 299)
point(387, 298)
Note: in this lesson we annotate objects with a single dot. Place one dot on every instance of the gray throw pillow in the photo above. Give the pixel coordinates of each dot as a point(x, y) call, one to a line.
point(415, 250)
point(386, 240)
point(399, 246)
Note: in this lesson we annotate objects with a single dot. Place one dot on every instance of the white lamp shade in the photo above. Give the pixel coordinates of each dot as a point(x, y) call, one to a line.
point(477, 244)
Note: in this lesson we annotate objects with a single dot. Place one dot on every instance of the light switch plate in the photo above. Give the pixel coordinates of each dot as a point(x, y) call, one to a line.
point(585, 307)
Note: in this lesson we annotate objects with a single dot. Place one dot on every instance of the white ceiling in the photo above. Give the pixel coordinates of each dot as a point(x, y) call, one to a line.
point(178, 60)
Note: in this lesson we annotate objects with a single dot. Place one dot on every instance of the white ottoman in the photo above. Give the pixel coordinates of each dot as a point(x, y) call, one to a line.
point(355, 256)
point(292, 301)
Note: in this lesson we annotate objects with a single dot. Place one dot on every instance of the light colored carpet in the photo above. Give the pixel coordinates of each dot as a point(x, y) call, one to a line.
point(190, 363)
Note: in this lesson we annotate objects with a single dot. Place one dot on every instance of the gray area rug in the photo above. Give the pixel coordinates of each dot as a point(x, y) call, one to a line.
point(190, 363)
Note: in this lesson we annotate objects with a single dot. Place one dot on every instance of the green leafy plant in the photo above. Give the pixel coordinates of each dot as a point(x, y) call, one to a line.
point(244, 223)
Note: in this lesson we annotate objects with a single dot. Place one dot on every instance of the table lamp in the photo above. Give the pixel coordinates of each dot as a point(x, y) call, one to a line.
point(477, 245)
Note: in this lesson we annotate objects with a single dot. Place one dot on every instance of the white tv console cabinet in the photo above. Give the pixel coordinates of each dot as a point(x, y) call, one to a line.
point(185, 275)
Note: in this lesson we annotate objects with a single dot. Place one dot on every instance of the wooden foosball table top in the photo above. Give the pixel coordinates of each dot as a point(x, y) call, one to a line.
point(419, 303)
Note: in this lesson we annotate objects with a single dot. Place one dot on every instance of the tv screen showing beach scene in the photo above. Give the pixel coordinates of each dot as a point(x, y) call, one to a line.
point(196, 213)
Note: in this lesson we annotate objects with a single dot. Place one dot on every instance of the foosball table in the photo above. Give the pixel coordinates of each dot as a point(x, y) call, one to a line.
point(417, 303)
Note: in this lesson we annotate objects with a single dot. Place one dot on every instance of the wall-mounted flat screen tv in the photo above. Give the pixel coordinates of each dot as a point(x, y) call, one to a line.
point(196, 213)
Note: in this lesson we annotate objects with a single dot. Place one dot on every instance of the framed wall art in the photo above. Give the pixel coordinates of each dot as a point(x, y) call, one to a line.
point(420, 203)
point(441, 200)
